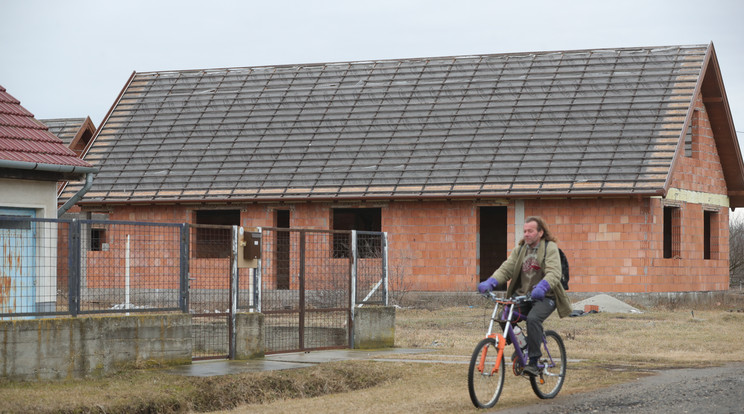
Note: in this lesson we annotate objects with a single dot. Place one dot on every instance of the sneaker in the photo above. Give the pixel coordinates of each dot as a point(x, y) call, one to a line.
point(531, 370)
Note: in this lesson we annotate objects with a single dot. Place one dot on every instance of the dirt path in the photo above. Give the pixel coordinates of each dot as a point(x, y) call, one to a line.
point(715, 390)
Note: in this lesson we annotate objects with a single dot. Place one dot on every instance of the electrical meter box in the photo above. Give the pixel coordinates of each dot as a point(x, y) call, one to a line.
point(249, 247)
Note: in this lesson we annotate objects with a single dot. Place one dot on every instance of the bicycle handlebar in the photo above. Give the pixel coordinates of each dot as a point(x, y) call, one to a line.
point(508, 301)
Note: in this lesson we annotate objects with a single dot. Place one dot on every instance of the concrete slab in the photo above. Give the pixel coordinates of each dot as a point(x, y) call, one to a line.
point(276, 362)
point(317, 357)
point(224, 367)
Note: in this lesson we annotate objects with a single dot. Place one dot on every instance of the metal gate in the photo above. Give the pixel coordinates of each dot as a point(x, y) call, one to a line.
point(309, 284)
point(210, 250)
point(309, 281)
point(218, 289)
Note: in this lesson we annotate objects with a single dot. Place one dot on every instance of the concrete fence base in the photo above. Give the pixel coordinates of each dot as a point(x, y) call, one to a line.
point(374, 327)
point(249, 343)
point(61, 348)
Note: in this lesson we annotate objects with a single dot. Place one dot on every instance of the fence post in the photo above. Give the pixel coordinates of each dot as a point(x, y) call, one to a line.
point(302, 290)
point(73, 264)
point(353, 284)
point(257, 277)
point(233, 291)
point(354, 256)
point(183, 297)
point(385, 268)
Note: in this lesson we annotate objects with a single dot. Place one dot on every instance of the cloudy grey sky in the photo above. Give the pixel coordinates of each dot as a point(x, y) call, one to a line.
point(70, 59)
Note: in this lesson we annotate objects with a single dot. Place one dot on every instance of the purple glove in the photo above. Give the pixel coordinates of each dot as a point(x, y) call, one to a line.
point(539, 291)
point(487, 285)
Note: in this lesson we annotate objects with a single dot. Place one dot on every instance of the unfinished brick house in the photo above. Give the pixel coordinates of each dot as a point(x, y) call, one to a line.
point(629, 153)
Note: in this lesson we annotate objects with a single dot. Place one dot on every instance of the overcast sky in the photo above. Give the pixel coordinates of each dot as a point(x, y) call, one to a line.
point(70, 59)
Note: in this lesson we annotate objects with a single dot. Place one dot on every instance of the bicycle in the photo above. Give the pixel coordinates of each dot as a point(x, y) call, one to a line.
point(487, 367)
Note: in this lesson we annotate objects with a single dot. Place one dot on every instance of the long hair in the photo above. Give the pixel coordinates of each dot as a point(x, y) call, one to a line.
point(547, 236)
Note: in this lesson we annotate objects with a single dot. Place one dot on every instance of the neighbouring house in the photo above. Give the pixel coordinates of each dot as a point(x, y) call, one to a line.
point(75, 133)
point(32, 162)
point(630, 154)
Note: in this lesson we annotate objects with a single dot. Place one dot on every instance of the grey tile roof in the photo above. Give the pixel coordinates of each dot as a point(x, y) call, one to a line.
point(587, 122)
point(64, 128)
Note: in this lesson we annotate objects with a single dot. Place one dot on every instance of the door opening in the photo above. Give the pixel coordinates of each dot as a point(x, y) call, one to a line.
point(282, 252)
point(493, 233)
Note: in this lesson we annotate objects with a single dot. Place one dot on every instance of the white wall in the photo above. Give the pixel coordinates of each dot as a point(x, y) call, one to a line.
point(39, 195)
point(42, 197)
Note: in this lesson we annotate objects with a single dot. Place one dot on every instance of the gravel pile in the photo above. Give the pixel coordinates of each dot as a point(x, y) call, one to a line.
point(606, 303)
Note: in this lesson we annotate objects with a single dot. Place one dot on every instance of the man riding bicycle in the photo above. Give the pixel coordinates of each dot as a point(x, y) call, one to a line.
point(537, 272)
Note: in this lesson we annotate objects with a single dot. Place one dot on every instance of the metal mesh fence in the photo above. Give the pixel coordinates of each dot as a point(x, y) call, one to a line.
point(129, 266)
point(68, 267)
point(371, 269)
point(33, 278)
point(309, 279)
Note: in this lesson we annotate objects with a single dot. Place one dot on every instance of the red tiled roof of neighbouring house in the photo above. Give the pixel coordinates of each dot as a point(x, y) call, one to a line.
point(23, 139)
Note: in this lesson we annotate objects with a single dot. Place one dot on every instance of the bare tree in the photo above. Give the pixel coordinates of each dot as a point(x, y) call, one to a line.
point(399, 276)
point(736, 251)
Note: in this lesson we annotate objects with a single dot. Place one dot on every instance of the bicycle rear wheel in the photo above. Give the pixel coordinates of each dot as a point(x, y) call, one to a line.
point(485, 385)
point(553, 374)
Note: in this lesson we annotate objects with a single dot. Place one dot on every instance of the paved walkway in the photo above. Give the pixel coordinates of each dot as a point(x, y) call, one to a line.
point(291, 360)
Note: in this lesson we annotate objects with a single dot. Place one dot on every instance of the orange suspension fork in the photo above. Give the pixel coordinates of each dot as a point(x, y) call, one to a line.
point(501, 344)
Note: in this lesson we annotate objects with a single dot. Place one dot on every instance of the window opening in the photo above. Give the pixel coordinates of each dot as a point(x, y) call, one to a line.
point(672, 232)
point(710, 235)
point(360, 219)
point(688, 142)
point(215, 242)
point(98, 239)
point(691, 135)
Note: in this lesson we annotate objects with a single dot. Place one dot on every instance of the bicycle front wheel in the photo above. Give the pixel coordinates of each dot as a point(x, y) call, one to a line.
point(485, 384)
point(553, 362)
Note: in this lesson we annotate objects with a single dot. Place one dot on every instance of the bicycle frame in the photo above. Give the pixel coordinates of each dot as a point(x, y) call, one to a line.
point(510, 310)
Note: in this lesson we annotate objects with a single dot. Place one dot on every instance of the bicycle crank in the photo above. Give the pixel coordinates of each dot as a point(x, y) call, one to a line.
point(517, 365)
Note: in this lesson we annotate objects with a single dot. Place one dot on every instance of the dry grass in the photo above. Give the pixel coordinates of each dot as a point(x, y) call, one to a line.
point(623, 346)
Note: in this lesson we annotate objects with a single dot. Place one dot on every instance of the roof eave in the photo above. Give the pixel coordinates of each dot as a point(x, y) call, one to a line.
point(724, 132)
point(376, 198)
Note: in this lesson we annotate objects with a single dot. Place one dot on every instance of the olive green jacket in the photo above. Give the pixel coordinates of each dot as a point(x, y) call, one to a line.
point(511, 269)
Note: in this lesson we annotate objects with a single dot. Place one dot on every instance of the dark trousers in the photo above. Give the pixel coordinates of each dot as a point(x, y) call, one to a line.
point(537, 312)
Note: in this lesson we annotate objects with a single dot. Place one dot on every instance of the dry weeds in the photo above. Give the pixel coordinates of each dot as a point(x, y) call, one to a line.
point(603, 349)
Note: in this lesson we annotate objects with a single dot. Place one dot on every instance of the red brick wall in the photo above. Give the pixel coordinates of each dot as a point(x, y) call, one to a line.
point(616, 245)
point(433, 243)
point(701, 172)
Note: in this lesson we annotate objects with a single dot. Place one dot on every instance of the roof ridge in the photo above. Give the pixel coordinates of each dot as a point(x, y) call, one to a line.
point(442, 57)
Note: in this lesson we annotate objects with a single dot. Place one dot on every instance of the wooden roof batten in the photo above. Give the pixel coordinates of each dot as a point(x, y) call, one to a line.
point(549, 124)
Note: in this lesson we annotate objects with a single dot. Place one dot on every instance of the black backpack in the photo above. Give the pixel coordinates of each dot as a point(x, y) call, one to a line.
point(564, 266)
